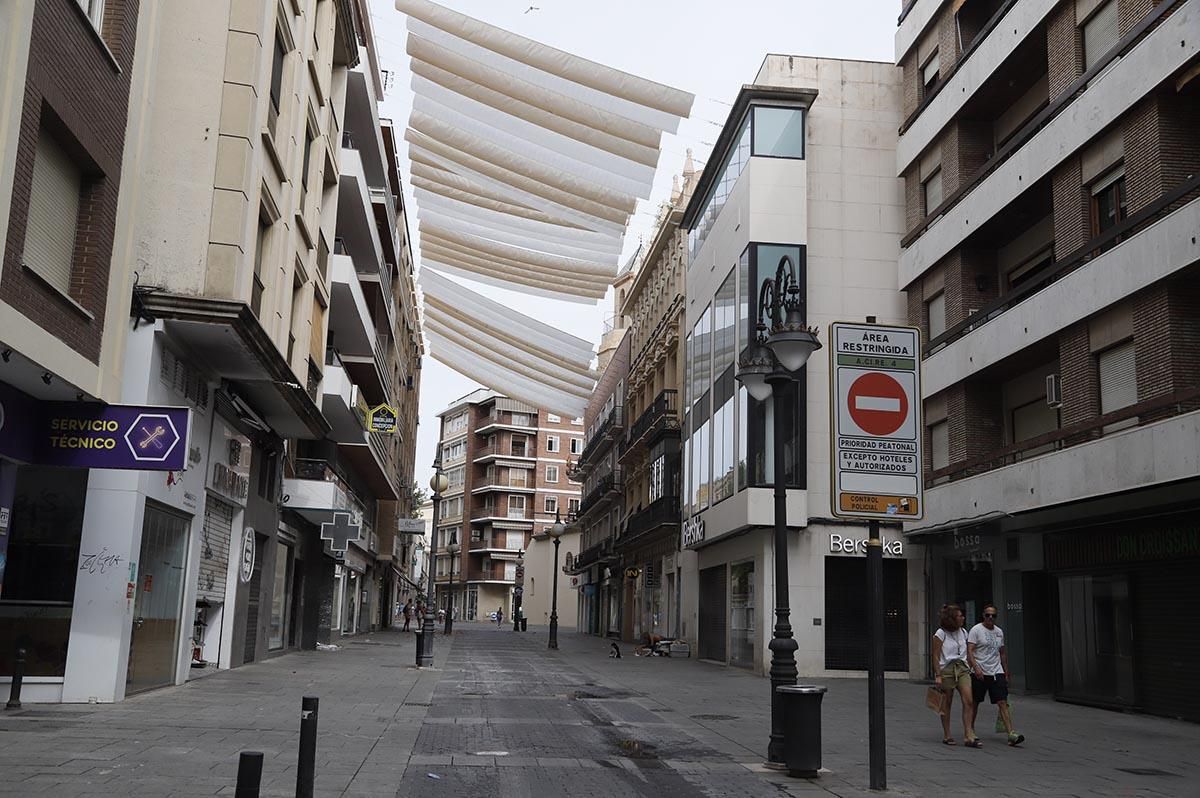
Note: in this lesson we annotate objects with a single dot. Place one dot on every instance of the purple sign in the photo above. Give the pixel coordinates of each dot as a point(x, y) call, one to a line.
point(92, 435)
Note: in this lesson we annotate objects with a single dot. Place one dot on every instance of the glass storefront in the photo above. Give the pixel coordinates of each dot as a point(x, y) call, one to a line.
point(280, 595)
point(741, 614)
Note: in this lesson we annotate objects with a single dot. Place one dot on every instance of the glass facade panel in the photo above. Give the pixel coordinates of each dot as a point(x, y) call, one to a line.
point(735, 164)
point(779, 132)
point(280, 595)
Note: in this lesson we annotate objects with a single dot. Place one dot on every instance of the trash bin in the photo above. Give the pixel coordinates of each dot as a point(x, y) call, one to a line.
point(802, 728)
point(524, 624)
point(417, 635)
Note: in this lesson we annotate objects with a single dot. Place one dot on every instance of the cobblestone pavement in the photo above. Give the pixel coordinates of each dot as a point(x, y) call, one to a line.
point(501, 715)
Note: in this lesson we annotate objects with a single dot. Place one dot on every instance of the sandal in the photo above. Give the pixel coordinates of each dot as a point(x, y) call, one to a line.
point(1016, 739)
point(974, 742)
point(948, 741)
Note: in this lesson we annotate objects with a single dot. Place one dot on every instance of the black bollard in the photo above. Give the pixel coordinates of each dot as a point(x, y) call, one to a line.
point(306, 764)
point(18, 676)
point(249, 778)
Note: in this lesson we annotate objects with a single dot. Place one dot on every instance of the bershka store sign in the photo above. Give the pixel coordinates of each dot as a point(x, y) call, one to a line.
point(93, 435)
point(840, 544)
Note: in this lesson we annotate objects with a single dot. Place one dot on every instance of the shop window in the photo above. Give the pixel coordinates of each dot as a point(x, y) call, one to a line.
point(741, 615)
point(42, 552)
point(1100, 33)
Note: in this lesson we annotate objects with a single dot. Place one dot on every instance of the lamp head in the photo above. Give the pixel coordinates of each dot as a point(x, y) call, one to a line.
point(756, 363)
point(556, 531)
point(438, 482)
point(792, 341)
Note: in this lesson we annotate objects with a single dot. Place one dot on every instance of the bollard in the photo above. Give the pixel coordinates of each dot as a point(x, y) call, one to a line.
point(417, 635)
point(18, 676)
point(306, 763)
point(249, 778)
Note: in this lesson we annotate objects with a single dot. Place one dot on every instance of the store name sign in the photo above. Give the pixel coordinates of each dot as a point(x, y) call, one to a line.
point(839, 544)
point(93, 435)
point(693, 531)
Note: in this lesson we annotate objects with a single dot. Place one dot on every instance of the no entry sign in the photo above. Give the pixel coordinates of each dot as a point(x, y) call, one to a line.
point(876, 421)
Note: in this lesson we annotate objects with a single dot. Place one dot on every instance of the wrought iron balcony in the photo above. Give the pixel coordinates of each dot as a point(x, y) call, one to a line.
point(610, 485)
point(608, 429)
point(659, 513)
point(661, 416)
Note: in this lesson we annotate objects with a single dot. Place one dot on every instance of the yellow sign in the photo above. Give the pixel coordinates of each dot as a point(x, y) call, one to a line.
point(382, 418)
point(855, 503)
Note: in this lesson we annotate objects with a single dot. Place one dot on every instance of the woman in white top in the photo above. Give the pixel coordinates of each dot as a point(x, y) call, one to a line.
point(954, 666)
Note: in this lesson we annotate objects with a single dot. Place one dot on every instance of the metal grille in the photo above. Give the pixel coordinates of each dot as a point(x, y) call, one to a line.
point(846, 609)
point(713, 587)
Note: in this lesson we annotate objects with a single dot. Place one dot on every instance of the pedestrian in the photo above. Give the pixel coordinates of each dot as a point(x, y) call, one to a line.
point(408, 613)
point(953, 659)
point(500, 616)
point(985, 644)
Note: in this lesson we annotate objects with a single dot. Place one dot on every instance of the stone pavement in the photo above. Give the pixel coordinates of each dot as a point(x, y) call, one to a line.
point(499, 714)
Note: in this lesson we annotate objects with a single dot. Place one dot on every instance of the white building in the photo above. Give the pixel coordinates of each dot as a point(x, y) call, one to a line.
point(804, 168)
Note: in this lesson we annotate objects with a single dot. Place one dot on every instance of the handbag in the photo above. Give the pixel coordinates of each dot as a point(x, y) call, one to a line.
point(934, 699)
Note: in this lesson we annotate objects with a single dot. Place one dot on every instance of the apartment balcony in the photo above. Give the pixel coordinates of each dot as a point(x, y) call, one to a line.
point(497, 487)
point(607, 488)
point(611, 428)
point(488, 546)
point(599, 554)
point(659, 419)
point(495, 574)
point(318, 491)
point(660, 514)
point(504, 421)
point(363, 351)
point(503, 518)
point(341, 401)
point(1151, 443)
point(523, 455)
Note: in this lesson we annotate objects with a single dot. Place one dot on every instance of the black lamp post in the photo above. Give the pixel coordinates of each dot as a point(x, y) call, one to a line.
point(437, 483)
point(453, 548)
point(519, 592)
point(556, 532)
point(765, 367)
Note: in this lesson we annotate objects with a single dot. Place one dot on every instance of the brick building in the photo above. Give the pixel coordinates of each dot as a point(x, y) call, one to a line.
point(506, 462)
point(1052, 189)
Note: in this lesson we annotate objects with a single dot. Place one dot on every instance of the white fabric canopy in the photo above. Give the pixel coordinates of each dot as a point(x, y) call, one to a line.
point(527, 164)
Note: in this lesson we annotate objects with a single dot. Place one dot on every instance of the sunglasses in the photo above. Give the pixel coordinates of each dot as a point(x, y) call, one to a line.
point(989, 615)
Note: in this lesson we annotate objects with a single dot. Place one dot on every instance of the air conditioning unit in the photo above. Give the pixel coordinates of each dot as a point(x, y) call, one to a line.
point(1053, 390)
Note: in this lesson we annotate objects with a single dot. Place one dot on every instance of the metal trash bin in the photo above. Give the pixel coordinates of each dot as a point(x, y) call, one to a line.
point(802, 728)
point(524, 624)
point(417, 635)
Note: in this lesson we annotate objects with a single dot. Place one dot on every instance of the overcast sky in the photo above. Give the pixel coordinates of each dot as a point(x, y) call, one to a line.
point(707, 47)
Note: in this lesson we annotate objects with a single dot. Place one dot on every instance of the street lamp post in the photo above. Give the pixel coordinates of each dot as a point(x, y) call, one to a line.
point(556, 532)
point(437, 483)
point(519, 592)
point(453, 548)
point(765, 367)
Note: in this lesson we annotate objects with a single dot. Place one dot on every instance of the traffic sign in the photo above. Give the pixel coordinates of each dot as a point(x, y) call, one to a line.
point(875, 407)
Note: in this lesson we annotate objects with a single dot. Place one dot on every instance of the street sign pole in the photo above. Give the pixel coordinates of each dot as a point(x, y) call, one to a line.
point(876, 724)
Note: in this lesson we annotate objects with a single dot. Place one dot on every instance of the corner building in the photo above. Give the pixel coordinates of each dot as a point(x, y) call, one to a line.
point(1052, 194)
point(802, 170)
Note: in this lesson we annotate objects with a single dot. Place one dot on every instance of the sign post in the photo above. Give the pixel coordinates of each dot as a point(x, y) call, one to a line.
point(875, 382)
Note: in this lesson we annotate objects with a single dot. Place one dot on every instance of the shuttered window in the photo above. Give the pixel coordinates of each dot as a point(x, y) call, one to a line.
point(932, 189)
point(937, 315)
point(1118, 377)
point(1099, 33)
point(939, 445)
point(94, 10)
point(930, 72)
point(53, 214)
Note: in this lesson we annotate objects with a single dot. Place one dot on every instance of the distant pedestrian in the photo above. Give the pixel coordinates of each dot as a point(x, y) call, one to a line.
point(408, 614)
point(500, 616)
point(985, 644)
point(953, 659)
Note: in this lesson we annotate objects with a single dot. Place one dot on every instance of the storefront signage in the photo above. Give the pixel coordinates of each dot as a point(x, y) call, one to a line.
point(1111, 547)
point(247, 569)
point(632, 573)
point(410, 526)
point(340, 531)
point(93, 435)
point(876, 421)
point(230, 455)
point(693, 531)
point(840, 544)
point(382, 418)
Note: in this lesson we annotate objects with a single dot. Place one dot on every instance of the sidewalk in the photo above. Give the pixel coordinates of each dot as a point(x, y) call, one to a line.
point(501, 715)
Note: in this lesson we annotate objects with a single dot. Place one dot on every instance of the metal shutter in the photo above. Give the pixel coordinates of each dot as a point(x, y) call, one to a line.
point(53, 214)
point(1118, 377)
point(939, 445)
point(845, 621)
point(1099, 33)
point(1165, 654)
point(713, 586)
point(937, 311)
point(214, 550)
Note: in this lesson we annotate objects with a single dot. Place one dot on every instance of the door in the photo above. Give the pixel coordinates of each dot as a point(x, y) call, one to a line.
point(296, 614)
point(158, 599)
point(741, 614)
point(713, 582)
point(846, 611)
point(1096, 638)
point(254, 594)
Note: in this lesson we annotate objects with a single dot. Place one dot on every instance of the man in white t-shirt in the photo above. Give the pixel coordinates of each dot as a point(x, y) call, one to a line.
point(985, 643)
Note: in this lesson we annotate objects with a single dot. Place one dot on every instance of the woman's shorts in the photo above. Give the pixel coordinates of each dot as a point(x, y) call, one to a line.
point(956, 675)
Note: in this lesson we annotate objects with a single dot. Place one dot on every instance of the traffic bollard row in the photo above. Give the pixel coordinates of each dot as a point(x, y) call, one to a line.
point(250, 763)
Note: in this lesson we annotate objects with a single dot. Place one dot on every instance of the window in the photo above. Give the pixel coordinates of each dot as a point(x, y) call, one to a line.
point(778, 132)
point(552, 443)
point(1033, 419)
point(658, 471)
point(454, 451)
point(276, 95)
point(454, 477)
point(451, 508)
point(930, 73)
point(551, 504)
point(1118, 377)
point(931, 190)
point(94, 10)
point(552, 473)
point(1100, 33)
point(1109, 207)
point(935, 310)
point(576, 445)
point(577, 422)
point(260, 254)
point(553, 419)
point(455, 424)
point(939, 445)
point(516, 506)
point(573, 506)
point(520, 420)
point(309, 141)
point(53, 214)
point(1030, 269)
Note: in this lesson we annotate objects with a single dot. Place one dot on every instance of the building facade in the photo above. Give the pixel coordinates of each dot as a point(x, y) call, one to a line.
point(799, 172)
point(506, 463)
point(1050, 164)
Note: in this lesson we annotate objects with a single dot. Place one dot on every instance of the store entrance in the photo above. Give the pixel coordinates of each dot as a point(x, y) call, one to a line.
point(973, 588)
point(158, 599)
point(1096, 634)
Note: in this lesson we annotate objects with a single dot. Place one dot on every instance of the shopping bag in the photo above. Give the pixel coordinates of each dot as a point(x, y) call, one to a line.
point(933, 699)
point(999, 727)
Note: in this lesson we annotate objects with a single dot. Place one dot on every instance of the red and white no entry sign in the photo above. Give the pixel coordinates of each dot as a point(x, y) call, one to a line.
point(878, 403)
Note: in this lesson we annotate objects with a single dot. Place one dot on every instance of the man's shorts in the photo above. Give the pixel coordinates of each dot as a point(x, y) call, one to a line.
point(956, 674)
point(993, 687)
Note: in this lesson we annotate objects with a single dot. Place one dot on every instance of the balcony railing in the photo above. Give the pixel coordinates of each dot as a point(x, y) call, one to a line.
point(1173, 404)
point(324, 471)
point(612, 424)
point(659, 512)
point(499, 450)
point(608, 485)
point(1163, 206)
point(661, 415)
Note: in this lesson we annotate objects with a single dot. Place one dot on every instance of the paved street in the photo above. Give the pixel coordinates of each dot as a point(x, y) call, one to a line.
point(501, 715)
